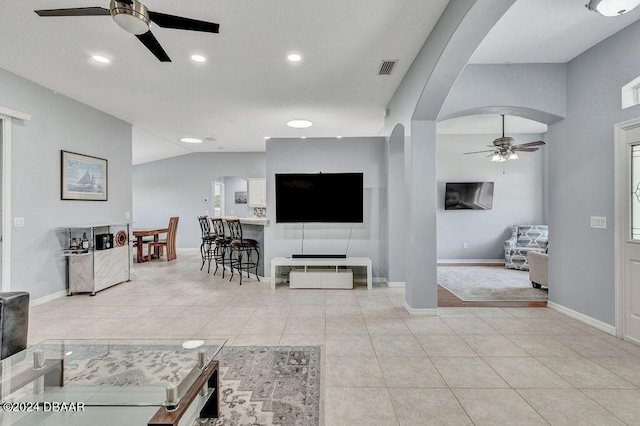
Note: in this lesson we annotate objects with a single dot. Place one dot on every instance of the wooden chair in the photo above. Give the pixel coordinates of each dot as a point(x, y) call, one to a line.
point(169, 243)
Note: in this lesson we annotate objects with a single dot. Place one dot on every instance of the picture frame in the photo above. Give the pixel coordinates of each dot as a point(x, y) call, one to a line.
point(83, 177)
point(241, 197)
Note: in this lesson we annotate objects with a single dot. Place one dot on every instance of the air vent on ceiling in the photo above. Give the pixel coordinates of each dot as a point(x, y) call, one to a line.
point(387, 66)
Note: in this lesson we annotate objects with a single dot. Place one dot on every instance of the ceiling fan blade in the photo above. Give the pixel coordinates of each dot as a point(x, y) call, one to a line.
point(180, 23)
point(478, 152)
point(153, 45)
point(517, 148)
point(536, 143)
point(76, 11)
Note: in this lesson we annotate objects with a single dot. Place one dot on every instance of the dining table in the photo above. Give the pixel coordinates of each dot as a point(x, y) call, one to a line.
point(140, 233)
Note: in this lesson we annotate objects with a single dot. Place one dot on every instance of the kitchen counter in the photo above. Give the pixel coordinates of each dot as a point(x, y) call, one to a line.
point(261, 221)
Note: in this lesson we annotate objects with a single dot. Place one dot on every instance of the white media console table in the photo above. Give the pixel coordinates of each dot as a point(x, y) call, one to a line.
point(302, 263)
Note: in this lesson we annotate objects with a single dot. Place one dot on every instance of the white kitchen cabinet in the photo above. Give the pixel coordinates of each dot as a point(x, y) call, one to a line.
point(257, 188)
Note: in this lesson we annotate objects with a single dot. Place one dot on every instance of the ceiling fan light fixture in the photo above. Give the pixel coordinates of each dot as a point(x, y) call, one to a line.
point(612, 7)
point(513, 155)
point(133, 18)
point(496, 157)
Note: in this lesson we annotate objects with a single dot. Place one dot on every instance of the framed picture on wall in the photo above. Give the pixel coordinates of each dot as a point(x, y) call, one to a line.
point(241, 197)
point(83, 177)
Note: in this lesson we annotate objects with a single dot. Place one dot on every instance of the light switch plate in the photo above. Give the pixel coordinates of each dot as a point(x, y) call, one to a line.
point(598, 222)
point(18, 222)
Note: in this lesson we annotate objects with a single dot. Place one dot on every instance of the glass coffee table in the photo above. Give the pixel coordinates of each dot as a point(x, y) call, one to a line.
point(96, 382)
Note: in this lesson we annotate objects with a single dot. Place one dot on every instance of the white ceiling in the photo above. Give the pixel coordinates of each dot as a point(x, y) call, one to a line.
point(247, 89)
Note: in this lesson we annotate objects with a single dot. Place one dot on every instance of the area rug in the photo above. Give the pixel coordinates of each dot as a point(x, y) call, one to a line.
point(269, 385)
point(489, 283)
point(259, 385)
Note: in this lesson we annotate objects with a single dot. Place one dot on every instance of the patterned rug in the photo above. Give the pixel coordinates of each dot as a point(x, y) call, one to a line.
point(269, 385)
point(259, 385)
point(489, 283)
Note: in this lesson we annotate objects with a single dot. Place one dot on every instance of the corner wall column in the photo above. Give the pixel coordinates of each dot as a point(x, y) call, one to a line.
point(421, 295)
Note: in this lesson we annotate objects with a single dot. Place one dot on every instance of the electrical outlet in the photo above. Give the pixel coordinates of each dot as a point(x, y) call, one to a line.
point(598, 222)
point(127, 215)
point(465, 245)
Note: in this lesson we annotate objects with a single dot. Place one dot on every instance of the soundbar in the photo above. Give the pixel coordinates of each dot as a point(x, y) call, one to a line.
point(318, 256)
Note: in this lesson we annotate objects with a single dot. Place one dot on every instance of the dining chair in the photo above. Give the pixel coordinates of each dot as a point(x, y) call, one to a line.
point(169, 243)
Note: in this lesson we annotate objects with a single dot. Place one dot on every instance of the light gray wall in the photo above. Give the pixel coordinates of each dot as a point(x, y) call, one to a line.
point(178, 186)
point(581, 175)
point(534, 91)
point(396, 197)
point(58, 123)
point(330, 155)
point(233, 184)
point(518, 195)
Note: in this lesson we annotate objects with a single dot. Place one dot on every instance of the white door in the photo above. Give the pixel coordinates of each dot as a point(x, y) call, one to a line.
point(631, 242)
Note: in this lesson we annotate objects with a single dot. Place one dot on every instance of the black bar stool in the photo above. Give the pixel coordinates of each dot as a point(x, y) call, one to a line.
point(208, 239)
point(222, 244)
point(240, 247)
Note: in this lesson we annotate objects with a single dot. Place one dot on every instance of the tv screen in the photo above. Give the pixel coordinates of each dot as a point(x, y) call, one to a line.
point(468, 195)
point(321, 197)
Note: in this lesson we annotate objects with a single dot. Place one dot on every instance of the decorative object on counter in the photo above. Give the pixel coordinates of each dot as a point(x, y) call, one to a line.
point(74, 244)
point(104, 241)
point(259, 212)
point(121, 238)
point(83, 177)
point(85, 241)
point(241, 197)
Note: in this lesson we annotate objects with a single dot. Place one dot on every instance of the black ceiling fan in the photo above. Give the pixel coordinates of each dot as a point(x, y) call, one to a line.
point(504, 150)
point(135, 18)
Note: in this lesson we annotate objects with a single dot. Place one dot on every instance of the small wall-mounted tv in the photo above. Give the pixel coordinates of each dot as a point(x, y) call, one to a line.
point(319, 197)
point(468, 195)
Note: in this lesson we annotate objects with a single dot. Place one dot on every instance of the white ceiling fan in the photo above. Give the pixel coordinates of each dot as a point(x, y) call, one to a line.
point(503, 148)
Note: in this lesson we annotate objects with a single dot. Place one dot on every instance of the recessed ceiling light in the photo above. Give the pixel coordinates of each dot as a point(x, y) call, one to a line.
point(303, 137)
point(339, 137)
point(266, 138)
point(101, 59)
point(198, 58)
point(299, 124)
point(294, 57)
point(191, 140)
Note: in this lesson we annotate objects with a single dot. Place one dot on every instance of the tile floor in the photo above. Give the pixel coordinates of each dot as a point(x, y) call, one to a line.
point(482, 366)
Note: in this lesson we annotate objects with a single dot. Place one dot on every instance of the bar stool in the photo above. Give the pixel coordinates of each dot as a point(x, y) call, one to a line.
point(222, 244)
point(208, 240)
point(240, 247)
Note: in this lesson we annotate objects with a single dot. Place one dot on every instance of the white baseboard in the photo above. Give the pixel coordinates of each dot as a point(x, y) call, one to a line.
point(396, 284)
point(602, 326)
point(421, 311)
point(49, 298)
point(475, 261)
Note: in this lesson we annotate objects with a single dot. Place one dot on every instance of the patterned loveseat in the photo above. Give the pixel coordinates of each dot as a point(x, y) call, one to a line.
point(524, 238)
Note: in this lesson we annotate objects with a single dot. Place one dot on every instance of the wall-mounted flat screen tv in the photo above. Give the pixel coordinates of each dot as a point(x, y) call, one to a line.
point(468, 195)
point(319, 197)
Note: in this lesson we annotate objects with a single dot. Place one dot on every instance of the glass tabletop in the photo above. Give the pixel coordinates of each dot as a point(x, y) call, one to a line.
point(106, 372)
